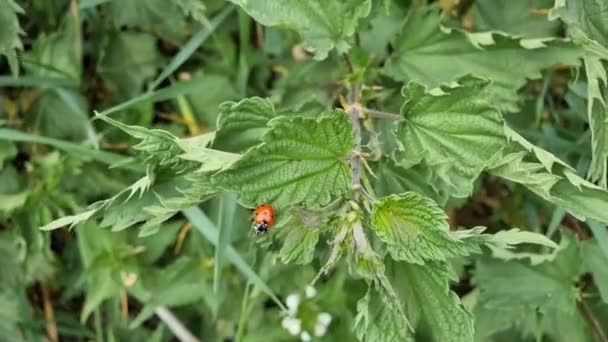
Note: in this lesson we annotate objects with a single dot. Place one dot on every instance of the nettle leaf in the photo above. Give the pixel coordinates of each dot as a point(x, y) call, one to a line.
point(432, 55)
point(549, 177)
point(503, 243)
point(241, 124)
point(323, 24)
point(586, 16)
point(516, 17)
point(165, 17)
point(9, 35)
point(456, 131)
point(379, 318)
point(302, 231)
point(299, 160)
point(519, 285)
point(588, 26)
point(439, 313)
point(195, 149)
point(517, 294)
point(393, 179)
point(159, 148)
point(415, 229)
point(597, 112)
point(595, 262)
point(56, 54)
point(132, 51)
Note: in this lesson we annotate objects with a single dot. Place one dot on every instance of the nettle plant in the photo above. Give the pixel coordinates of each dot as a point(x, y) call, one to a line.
point(363, 185)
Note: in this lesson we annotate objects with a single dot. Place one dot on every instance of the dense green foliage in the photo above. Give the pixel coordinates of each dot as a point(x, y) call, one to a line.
point(438, 170)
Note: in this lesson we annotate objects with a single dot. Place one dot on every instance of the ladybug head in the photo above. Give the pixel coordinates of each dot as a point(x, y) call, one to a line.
point(260, 228)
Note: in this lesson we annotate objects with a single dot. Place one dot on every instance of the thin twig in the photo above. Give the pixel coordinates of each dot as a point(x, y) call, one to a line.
point(383, 115)
point(182, 235)
point(49, 315)
point(175, 325)
point(124, 306)
point(596, 326)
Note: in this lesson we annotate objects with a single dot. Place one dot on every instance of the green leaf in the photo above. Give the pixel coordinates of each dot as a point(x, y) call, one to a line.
point(56, 54)
point(516, 293)
point(435, 310)
point(299, 160)
point(517, 17)
point(588, 26)
point(550, 178)
point(61, 113)
point(240, 125)
point(431, 55)
point(159, 148)
point(379, 318)
point(9, 35)
point(415, 229)
point(515, 236)
point(393, 179)
point(323, 25)
point(132, 51)
point(166, 18)
point(597, 113)
point(519, 285)
point(302, 229)
point(456, 131)
point(586, 17)
point(595, 262)
point(70, 220)
point(195, 149)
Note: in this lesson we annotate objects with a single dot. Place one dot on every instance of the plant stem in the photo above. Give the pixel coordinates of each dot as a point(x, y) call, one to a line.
point(49, 314)
point(383, 115)
point(175, 325)
point(355, 114)
point(595, 326)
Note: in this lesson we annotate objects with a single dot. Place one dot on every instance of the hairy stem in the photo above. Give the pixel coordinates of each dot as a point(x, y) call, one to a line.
point(354, 110)
point(383, 115)
point(355, 114)
point(175, 325)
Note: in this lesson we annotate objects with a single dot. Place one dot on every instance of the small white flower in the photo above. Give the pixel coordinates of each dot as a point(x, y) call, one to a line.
point(310, 292)
point(323, 321)
point(291, 324)
point(292, 301)
point(324, 318)
point(305, 337)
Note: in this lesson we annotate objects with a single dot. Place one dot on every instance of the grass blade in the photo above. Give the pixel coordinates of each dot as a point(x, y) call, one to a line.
point(240, 333)
point(69, 147)
point(163, 94)
point(190, 47)
point(204, 225)
point(225, 223)
point(32, 81)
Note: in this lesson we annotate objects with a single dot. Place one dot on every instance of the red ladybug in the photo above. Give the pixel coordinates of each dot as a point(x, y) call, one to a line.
point(263, 218)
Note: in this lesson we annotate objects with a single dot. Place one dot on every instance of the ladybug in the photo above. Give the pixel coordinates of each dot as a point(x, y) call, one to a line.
point(263, 218)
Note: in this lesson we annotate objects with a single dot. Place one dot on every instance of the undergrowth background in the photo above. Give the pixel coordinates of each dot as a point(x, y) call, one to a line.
point(438, 170)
